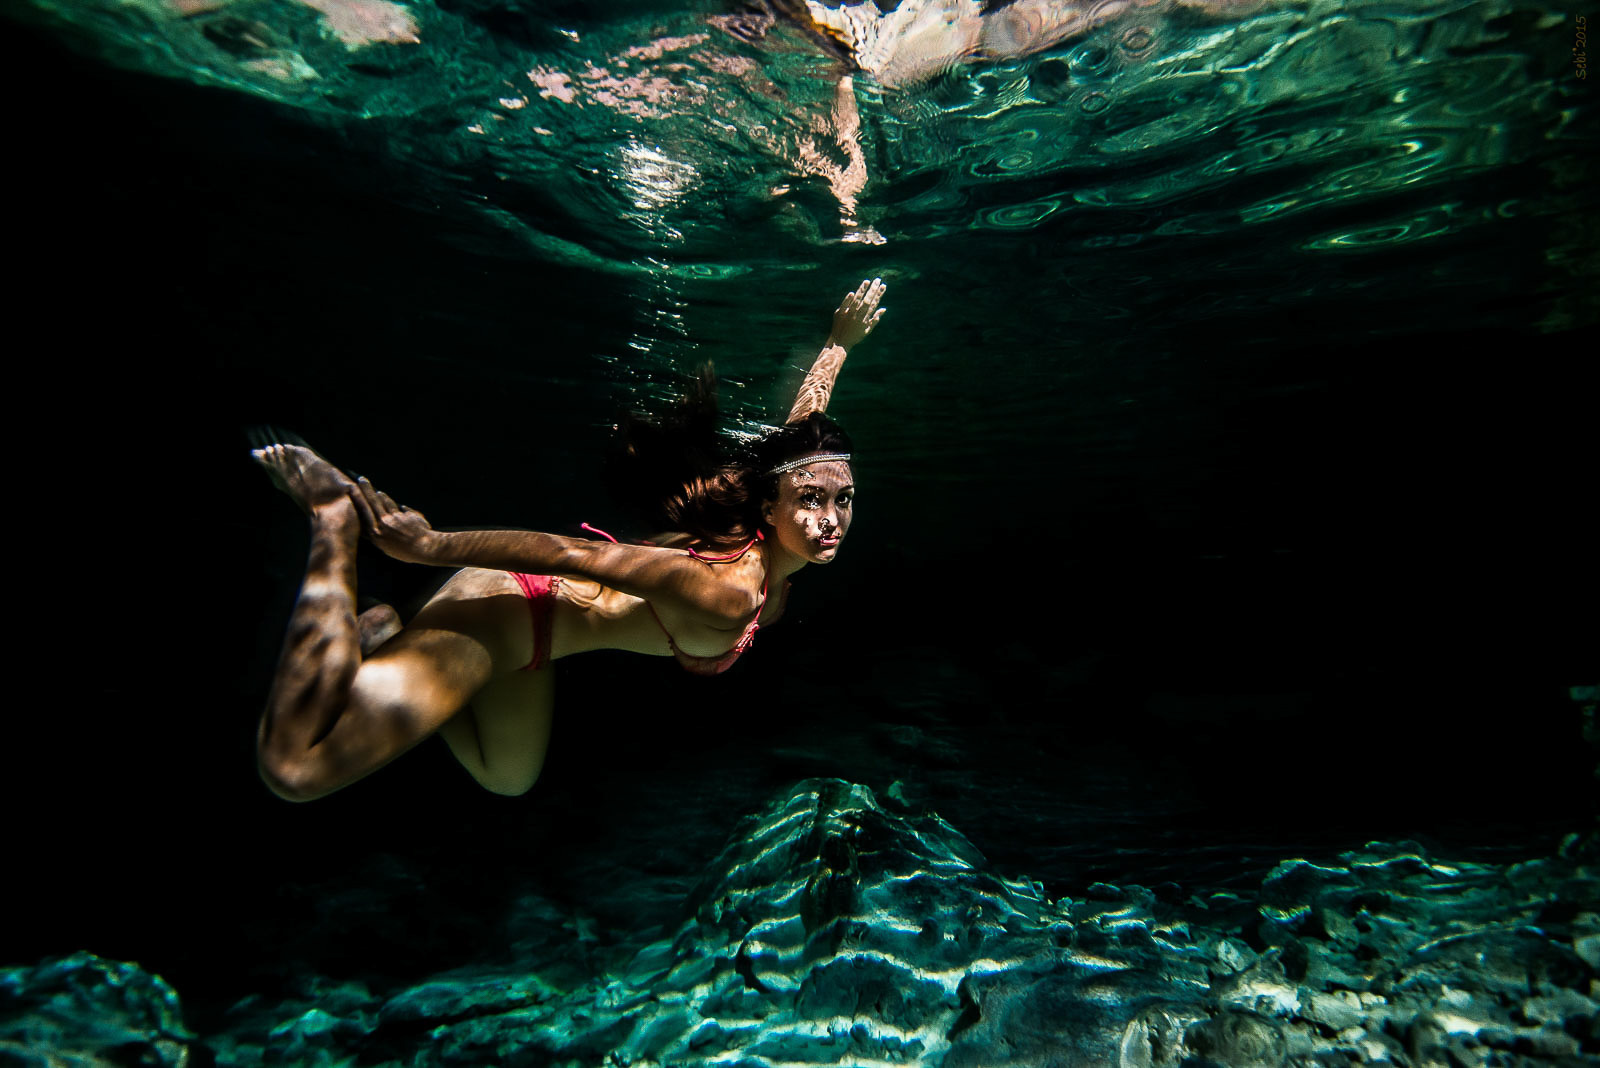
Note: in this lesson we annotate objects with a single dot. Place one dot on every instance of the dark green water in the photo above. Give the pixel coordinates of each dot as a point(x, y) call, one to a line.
point(1225, 454)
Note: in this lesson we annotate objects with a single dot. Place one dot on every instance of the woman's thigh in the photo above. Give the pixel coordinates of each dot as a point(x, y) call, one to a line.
point(502, 736)
point(411, 686)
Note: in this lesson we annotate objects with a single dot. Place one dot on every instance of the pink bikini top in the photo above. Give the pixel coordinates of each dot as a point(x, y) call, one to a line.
point(709, 665)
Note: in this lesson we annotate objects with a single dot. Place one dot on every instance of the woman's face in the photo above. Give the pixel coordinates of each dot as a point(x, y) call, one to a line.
point(812, 512)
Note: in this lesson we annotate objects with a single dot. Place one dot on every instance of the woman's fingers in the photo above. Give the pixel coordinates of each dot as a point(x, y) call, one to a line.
point(380, 506)
point(369, 522)
point(862, 302)
point(859, 313)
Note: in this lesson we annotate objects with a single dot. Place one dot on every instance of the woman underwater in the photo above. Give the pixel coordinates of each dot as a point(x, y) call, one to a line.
point(351, 694)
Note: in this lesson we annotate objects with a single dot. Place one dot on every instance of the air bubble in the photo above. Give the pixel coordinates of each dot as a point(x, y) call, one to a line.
point(1022, 216)
point(1137, 41)
point(1089, 58)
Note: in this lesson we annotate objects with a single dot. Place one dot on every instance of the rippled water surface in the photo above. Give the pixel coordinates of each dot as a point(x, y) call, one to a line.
point(1240, 177)
point(699, 140)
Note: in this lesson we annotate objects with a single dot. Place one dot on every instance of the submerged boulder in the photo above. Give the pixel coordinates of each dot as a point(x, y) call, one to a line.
point(830, 930)
point(85, 1010)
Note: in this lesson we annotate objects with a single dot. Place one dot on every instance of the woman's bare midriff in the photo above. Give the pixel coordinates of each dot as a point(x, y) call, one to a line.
point(586, 616)
point(589, 616)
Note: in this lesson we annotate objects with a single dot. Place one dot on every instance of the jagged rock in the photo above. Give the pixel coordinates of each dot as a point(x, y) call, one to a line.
point(1336, 1010)
point(1072, 1018)
point(1558, 1006)
point(1587, 948)
point(832, 930)
point(1239, 1040)
point(317, 1025)
point(313, 1037)
point(1260, 988)
point(84, 1010)
point(449, 998)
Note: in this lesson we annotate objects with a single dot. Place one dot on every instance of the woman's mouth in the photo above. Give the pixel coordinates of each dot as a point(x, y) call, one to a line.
point(828, 541)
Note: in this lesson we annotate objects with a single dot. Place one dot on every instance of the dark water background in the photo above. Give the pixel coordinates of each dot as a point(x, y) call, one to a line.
point(1175, 556)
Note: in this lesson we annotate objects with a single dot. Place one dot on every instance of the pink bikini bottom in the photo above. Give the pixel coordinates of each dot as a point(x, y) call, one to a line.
point(541, 593)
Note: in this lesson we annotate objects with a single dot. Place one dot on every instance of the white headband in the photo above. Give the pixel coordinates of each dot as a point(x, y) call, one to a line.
point(806, 461)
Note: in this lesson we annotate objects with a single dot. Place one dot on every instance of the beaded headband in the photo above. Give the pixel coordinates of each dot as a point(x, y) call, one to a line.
point(806, 461)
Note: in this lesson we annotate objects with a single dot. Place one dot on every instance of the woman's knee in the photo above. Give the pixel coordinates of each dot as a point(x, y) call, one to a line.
point(509, 784)
point(290, 780)
point(296, 774)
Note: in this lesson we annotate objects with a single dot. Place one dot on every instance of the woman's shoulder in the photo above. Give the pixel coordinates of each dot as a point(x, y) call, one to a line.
point(742, 568)
point(728, 551)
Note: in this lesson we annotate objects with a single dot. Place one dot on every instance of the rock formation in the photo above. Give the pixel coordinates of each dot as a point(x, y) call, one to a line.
point(831, 930)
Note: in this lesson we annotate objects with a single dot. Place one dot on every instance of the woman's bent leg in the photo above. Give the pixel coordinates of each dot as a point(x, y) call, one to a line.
point(322, 650)
point(332, 718)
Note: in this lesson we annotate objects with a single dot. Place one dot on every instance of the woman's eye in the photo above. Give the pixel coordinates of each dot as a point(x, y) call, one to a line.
point(845, 500)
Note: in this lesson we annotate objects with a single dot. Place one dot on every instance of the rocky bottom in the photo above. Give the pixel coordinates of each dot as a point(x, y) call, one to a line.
point(832, 930)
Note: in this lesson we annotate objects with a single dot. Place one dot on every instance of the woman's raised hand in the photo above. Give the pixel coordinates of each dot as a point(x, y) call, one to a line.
point(858, 314)
point(401, 532)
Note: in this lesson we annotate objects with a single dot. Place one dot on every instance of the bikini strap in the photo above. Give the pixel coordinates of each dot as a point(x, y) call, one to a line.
point(745, 639)
point(731, 556)
point(722, 560)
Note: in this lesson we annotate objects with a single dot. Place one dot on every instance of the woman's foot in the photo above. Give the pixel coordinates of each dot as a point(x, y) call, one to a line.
point(377, 625)
point(310, 480)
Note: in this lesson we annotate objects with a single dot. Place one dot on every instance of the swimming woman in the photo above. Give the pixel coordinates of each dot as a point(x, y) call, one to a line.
point(350, 694)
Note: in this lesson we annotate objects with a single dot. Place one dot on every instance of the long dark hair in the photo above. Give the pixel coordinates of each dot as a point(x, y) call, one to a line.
point(680, 473)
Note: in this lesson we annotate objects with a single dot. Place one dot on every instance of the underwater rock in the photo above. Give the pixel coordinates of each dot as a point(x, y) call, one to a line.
point(1239, 1039)
point(1588, 949)
point(316, 1025)
point(1334, 1010)
point(830, 930)
point(84, 1010)
point(451, 998)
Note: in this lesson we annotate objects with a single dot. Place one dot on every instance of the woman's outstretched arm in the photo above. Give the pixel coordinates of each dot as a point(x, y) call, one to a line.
point(640, 570)
point(853, 321)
